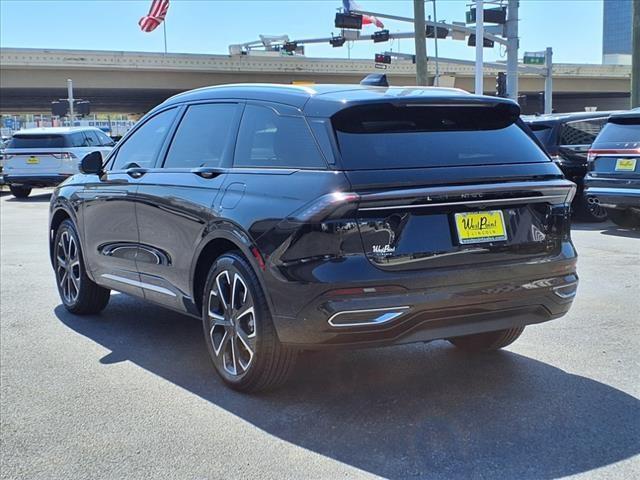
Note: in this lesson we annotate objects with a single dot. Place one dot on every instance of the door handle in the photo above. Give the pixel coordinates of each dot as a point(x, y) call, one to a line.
point(136, 172)
point(208, 172)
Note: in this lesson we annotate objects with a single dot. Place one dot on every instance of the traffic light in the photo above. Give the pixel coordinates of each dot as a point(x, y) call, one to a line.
point(491, 15)
point(380, 36)
point(83, 107)
point(290, 47)
point(60, 108)
point(486, 42)
point(441, 32)
point(337, 41)
point(382, 58)
point(348, 20)
point(501, 85)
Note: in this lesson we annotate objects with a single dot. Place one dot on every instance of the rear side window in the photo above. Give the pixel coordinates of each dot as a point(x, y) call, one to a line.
point(542, 132)
point(38, 141)
point(92, 138)
point(142, 147)
point(387, 136)
point(582, 132)
point(78, 139)
point(267, 139)
point(203, 136)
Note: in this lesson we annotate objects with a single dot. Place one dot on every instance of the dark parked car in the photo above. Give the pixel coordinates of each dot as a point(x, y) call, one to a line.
point(613, 181)
point(567, 138)
point(289, 218)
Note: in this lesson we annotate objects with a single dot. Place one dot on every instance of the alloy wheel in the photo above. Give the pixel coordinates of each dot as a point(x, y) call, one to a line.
point(597, 211)
point(232, 324)
point(68, 267)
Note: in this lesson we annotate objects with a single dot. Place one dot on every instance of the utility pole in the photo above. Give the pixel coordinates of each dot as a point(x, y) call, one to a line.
point(70, 99)
point(548, 80)
point(420, 31)
point(479, 90)
point(635, 54)
point(512, 49)
point(435, 39)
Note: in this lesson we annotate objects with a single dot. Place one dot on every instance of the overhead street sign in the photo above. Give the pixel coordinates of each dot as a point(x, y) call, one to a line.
point(533, 58)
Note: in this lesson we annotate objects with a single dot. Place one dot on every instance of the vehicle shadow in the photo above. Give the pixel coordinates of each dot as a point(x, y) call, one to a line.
point(411, 411)
point(607, 228)
point(37, 198)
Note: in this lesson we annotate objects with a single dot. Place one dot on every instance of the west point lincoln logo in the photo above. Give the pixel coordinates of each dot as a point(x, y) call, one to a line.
point(482, 223)
point(383, 250)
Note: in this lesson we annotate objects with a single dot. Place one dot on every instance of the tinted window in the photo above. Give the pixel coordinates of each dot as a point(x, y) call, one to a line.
point(582, 132)
point(387, 136)
point(202, 139)
point(542, 132)
point(38, 141)
point(267, 139)
point(105, 140)
point(92, 138)
point(143, 146)
point(78, 139)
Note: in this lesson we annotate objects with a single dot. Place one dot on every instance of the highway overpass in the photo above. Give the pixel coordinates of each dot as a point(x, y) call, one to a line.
point(133, 82)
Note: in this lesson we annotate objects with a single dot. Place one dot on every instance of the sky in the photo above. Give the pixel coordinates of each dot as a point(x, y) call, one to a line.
point(573, 28)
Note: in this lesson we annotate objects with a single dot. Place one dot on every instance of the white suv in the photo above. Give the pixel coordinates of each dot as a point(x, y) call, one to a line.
point(42, 157)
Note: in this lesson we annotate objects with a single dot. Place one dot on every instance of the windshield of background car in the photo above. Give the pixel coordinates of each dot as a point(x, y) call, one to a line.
point(386, 136)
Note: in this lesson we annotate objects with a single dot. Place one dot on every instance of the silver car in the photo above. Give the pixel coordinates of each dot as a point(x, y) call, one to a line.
point(42, 157)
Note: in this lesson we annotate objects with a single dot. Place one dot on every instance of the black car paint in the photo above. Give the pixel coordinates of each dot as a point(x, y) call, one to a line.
point(152, 226)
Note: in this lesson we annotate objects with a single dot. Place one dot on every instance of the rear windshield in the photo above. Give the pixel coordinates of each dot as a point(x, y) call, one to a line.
point(389, 136)
point(625, 134)
point(38, 141)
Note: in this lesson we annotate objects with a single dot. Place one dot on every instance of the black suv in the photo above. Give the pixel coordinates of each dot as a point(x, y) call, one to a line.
point(613, 181)
point(290, 217)
point(567, 138)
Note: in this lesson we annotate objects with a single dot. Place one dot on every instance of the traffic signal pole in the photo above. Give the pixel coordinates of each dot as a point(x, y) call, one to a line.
point(635, 55)
point(548, 81)
point(420, 29)
point(512, 49)
point(70, 98)
point(479, 90)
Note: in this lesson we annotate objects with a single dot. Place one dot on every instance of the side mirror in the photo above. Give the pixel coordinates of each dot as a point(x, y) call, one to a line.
point(92, 163)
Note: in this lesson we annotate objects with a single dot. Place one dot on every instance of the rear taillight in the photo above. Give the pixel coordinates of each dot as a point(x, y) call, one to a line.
point(64, 156)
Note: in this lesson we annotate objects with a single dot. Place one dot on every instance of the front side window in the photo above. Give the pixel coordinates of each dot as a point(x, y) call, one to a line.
point(105, 140)
point(267, 139)
point(142, 147)
point(203, 136)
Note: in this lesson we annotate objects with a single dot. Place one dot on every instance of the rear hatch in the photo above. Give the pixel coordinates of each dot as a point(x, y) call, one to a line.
point(448, 185)
point(36, 153)
point(616, 152)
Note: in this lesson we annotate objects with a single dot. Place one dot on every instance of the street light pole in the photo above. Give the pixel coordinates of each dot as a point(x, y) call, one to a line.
point(512, 49)
point(435, 40)
point(548, 81)
point(479, 90)
point(635, 55)
point(70, 99)
point(420, 31)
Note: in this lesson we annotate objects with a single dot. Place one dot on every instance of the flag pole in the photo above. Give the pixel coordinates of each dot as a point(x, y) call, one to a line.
point(164, 29)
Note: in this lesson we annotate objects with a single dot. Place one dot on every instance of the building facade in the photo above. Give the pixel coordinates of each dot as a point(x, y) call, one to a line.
point(616, 32)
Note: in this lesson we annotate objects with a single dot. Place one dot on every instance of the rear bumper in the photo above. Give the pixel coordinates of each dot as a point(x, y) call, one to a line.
point(49, 180)
point(614, 193)
point(496, 298)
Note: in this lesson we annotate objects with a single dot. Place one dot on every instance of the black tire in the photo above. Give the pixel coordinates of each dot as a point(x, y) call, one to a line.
point(589, 212)
point(20, 192)
point(625, 218)
point(241, 339)
point(79, 294)
point(487, 341)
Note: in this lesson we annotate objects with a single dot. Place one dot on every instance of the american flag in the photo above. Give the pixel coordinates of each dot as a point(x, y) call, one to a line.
point(156, 15)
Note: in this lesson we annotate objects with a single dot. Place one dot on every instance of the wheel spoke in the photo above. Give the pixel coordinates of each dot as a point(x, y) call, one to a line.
point(223, 341)
point(217, 318)
point(221, 291)
point(245, 344)
point(233, 356)
point(240, 289)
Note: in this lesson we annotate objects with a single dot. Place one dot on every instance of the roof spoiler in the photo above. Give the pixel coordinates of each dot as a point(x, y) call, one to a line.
point(375, 80)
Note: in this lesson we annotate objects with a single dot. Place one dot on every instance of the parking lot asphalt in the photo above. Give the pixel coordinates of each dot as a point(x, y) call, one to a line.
point(130, 393)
